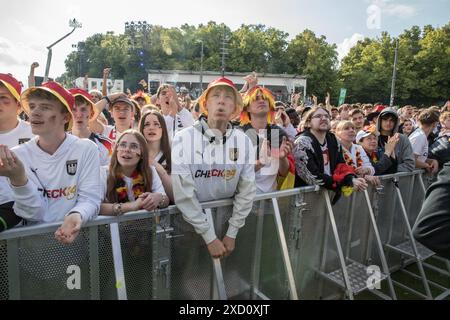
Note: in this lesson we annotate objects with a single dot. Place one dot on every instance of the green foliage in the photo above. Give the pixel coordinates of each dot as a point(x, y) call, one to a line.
point(422, 69)
point(422, 73)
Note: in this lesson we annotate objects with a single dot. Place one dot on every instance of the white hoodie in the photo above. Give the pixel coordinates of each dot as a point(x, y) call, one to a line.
point(206, 169)
point(66, 181)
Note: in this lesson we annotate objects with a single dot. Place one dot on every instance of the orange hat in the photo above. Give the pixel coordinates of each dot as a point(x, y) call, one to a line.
point(12, 84)
point(56, 89)
point(221, 82)
point(250, 96)
point(82, 93)
point(142, 95)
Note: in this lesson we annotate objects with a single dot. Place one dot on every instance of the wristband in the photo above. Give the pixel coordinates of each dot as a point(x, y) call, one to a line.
point(107, 99)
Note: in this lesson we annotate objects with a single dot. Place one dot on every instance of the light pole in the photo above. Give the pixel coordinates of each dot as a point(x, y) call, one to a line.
point(72, 23)
point(394, 76)
point(201, 67)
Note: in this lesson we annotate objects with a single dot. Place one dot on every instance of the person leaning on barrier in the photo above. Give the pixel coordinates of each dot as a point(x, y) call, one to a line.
point(13, 131)
point(272, 144)
point(368, 139)
point(387, 126)
point(432, 227)
point(354, 154)
point(212, 161)
point(131, 183)
point(319, 158)
point(54, 176)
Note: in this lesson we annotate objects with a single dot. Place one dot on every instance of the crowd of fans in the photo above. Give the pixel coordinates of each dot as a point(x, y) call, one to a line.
point(69, 155)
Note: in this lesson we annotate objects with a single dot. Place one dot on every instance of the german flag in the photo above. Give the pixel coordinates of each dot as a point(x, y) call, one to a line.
point(287, 181)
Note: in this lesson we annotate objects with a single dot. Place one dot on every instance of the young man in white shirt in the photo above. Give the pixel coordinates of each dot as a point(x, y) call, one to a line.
point(201, 173)
point(175, 115)
point(13, 131)
point(55, 176)
point(83, 111)
point(428, 120)
point(122, 110)
point(270, 140)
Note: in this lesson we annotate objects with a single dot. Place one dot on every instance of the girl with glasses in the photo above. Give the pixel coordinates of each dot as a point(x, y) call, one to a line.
point(131, 183)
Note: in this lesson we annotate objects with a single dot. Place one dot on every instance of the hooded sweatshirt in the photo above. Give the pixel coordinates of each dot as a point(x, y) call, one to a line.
point(205, 168)
point(403, 150)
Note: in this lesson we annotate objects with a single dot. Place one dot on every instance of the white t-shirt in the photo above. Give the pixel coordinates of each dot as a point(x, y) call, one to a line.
point(67, 180)
point(326, 159)
point(112, 133)
point(419, 144)
point(266, 177)
point(183, 119)
point(20, 134)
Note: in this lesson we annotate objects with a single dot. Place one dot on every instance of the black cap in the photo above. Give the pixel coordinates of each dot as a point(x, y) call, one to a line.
point(124, 100)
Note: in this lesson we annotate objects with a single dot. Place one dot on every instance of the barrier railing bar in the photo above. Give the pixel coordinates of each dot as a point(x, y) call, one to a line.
point(219, 283)
point(94, 266)
point(13, 269)
point(118, 262)
point(432, 283)
point(351, 214)
point(323, 258)
point(284, 250)
point(258, 248)
point(411, 239)
point(379, 244)
point(338, 246)
point(417, 293)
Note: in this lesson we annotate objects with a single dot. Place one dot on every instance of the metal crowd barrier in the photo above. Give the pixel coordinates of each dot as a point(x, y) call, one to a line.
point(295, 245)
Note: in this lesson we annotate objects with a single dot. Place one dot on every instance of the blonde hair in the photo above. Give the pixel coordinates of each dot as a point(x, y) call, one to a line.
point(343, 125)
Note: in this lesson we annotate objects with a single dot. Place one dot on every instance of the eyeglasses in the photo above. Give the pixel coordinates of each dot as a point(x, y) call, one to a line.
point(320, 116)
point(133, 147)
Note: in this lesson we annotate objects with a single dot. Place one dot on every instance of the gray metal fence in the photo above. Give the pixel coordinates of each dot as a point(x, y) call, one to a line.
point(294, 245)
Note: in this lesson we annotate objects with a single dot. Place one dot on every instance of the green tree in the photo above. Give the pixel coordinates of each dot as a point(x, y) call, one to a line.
point(309, 55)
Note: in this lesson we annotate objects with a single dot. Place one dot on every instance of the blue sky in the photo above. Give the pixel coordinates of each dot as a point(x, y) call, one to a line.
point(28, 26)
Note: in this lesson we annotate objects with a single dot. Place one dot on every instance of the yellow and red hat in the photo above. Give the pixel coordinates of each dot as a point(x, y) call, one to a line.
point(82, 93)
point(250, 96)
point(142, 95)
point(56, 89)
point(221, 82)
point(12, 84)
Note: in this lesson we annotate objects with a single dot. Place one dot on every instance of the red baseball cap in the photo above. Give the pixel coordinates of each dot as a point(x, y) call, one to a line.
point(12, 84)
point(379, 108)
point(56, 89)
point(221, 82)
point(82, 93)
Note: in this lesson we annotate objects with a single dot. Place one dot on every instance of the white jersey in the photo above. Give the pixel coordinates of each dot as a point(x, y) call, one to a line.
point(183, 119)
point(205, 168)
point(19, 135)
point(111, 133)
point(419, 144)
point(66, 181)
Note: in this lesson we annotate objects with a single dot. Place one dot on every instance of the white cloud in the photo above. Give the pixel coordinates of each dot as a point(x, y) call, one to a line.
point(402, 11)
point(16, 58)
point(344, 47)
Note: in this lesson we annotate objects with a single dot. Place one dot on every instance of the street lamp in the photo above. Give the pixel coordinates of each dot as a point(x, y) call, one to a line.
point(201, 67)
point(73, 24)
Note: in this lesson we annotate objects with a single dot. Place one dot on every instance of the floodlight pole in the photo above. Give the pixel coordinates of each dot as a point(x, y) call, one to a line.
point(72, 23)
